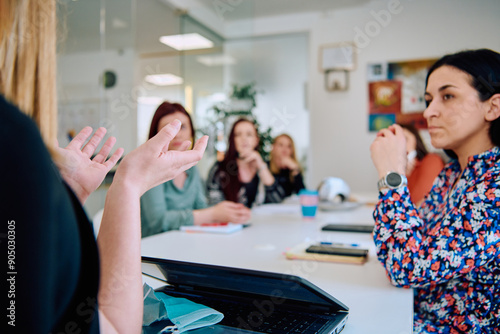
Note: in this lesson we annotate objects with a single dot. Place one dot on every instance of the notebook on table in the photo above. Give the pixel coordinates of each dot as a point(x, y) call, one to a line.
point(226, 228)
point(301, 252)
point(252, 301)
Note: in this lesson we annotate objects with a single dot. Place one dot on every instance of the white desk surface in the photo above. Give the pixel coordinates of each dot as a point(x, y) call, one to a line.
point(375, 306)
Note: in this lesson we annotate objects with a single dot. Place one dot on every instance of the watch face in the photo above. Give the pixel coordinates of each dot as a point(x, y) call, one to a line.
point(393, 180)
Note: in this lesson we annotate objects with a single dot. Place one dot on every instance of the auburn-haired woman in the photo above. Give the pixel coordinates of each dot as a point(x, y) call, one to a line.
point(242, 176)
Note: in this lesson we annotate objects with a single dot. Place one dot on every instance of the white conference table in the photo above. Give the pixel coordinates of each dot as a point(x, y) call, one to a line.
point(375, 306)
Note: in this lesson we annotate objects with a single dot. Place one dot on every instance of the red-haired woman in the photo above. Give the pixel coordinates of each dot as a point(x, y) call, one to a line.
point(182, 201)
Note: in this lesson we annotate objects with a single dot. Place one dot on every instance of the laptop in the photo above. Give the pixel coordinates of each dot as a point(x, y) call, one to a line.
point(252, 301)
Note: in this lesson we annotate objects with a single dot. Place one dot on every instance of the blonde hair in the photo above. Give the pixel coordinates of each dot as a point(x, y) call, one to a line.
point(28, 61)
point(273, 167)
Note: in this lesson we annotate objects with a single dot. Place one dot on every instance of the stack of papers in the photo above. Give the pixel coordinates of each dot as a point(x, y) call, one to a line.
point(224, 228)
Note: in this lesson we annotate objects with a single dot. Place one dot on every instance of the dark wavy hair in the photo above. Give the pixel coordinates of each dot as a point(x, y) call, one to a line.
point(228, 168)
point(164, 109)
point(483, 65)
point(421, 149)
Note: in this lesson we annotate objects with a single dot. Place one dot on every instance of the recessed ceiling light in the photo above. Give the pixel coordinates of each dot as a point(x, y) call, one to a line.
point(164, 79)
point(187, 41)
point(216, 60)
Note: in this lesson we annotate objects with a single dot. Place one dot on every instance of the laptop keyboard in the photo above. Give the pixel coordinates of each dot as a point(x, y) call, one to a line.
point(276, 323)
point(263, 319)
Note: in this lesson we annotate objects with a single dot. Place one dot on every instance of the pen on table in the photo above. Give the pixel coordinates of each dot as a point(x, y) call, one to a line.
point(338, 244)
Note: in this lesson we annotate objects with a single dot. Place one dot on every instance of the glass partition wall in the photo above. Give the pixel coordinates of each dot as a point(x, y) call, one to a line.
point(110, 55)
point(96, 56)
point(199, 76)
point(95, 60)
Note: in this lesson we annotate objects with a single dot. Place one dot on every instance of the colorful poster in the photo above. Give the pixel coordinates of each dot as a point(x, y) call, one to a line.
point(385, 97)
point(406, 103)
point(412, 75)
point(380, 121)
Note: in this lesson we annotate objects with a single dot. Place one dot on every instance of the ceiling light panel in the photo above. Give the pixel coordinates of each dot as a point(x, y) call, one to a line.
point(191, 41)
point(166, 79)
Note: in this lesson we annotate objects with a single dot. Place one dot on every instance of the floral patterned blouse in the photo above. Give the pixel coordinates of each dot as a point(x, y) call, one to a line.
point(449, 250)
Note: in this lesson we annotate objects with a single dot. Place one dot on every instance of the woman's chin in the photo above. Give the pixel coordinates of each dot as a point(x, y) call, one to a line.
point(437, 143)
point(244, 153)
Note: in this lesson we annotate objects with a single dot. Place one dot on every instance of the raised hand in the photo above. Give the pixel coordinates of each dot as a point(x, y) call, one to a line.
point(152, 163)
point(388, 151)
point(80, 172)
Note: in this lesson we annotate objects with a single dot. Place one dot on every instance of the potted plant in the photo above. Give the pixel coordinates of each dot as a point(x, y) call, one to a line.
point(241, 103)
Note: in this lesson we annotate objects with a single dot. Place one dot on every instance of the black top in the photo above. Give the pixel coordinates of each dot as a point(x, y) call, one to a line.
point(248, 192)
point(285, 185)
point(53, 274)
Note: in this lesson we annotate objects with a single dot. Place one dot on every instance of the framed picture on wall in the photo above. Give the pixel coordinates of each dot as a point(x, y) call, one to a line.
point(397, 89)
point(338, 56)
point(385, 97)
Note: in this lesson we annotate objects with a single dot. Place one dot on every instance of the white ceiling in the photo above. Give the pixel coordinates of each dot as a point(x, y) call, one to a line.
point(250, 9)
point(139, 23)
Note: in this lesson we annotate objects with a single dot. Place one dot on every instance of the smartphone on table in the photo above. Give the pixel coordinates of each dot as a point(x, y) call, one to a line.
point(348, 228)
point(335, 250)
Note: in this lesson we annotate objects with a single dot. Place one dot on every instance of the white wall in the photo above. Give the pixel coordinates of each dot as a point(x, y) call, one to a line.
point(339, 141)
point(279, 67)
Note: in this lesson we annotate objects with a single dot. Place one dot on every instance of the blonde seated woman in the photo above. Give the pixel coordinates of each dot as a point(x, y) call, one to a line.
point(285, 167)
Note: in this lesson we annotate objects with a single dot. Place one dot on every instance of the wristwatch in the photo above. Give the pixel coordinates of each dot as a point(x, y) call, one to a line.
point(392, 180)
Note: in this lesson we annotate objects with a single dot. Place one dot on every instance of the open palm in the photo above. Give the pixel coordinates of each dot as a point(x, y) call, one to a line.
point(81, 172)
point(153, 163)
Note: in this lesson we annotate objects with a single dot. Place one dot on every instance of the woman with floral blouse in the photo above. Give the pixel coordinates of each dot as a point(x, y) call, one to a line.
point(449, 249)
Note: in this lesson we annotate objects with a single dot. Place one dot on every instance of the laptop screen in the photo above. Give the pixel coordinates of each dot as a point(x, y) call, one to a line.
point(239, 281)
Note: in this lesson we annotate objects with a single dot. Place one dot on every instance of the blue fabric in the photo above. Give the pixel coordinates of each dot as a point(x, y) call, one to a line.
point(166, 207)
point(182, 314)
